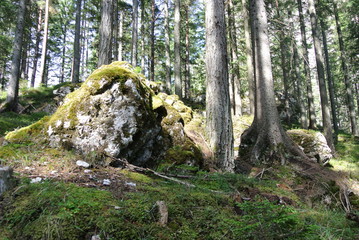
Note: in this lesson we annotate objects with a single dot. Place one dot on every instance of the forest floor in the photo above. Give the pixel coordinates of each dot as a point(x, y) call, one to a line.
point(57, 199)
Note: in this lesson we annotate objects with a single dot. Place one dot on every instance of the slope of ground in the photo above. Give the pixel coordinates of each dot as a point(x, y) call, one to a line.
point(56, 199)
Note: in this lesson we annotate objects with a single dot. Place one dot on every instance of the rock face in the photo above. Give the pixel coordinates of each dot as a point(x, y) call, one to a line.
point(6, 179)
point(313, 144)
point(110, 114)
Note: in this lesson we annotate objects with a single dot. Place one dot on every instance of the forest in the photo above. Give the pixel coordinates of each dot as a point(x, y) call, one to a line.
point(183, 119)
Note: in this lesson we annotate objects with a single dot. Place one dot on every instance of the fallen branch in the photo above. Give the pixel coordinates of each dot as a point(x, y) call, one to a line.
point(132, 167)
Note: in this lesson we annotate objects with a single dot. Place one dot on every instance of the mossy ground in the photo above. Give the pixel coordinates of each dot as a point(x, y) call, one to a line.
point(73, 207)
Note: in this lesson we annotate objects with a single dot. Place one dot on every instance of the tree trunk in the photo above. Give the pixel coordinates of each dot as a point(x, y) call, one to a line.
point(37, 46)
point(327, 123)
point(187, 64)
point(134, 32)
point(115, 30)
point(219, 121)
point(348, 85)
point(330, 81)
point(311, 113)
point(13, 88)
point(266, 139)
point(143, 37)
point(75, 74)
point(177, 46)
point(283, 64)
point(44, 45)
point(120, 36)
point(167, 46)
point(104, 56)
point(63, 54)
point(153, 20)
point(250, 70)
point(234, 64)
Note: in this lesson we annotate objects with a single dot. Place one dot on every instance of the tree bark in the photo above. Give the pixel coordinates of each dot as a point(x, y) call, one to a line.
point(265, 141)
point(187, 64)
point(44, 45)
point(167, 46)
point(75, 74)
point(249, 62)
point(311, 108)
point(348, 85)
point(104, 56)
point(152, 61)
point(134, 32)
point(234, 64)
point(218, 121)
point(177, 42)
point(327, 123)
point(143, 37)
point(330, 81)
point(63, 54)
point(13, 88)
point(37, 46)
point(115, 30)
point(120, 36)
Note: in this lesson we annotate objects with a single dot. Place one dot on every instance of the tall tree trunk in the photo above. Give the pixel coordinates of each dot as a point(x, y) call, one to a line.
point(104, 56)
point(120, 36)
point(312, 118)
point(134, 32)
point(327, 123)
point(13, 88)
point(75, 74)
point(330, 81)
point(187, 64)
point(44, 45)
point(250, 70)
point(177, 46)
point(153, 20)
point(266, 137)
point(283, 64)
point(64, 34)
point(115, 30)
point(219, 121)
point(25, 45)
point(235, 74)
point(143, 37)
point(167, 46)
point(37, 46)
point(348, 85)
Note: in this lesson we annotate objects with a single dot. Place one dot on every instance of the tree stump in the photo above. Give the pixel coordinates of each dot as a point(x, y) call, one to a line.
point(163, 213)
point(6, 179)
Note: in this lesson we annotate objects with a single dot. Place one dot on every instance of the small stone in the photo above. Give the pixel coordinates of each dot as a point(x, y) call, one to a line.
point(36, 180)
point(96, 237)
point(82, 164)
point(6, 179)
point(53, 172)
point(117, 207)
point(130, 184)
point(106, 182)
point(87, 171)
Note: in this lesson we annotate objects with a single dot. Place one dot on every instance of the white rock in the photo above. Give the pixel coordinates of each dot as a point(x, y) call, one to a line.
point(106, 182)
point(36, 180)
point(131, 184)
point(81, 163)
point(95, 237)
point(87, 171)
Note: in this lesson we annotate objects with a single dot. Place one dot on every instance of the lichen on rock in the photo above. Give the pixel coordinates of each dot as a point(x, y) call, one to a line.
point(114, 114)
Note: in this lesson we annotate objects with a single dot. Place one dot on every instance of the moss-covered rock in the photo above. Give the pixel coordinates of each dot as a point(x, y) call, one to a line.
point(313, 144)
point(115, 113)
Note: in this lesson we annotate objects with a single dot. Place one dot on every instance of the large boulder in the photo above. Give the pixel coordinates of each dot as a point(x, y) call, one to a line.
point(114, 114)
point(313, 144)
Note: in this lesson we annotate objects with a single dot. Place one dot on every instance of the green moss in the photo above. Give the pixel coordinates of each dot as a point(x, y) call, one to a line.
point(27, 134)
point(156, 102)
